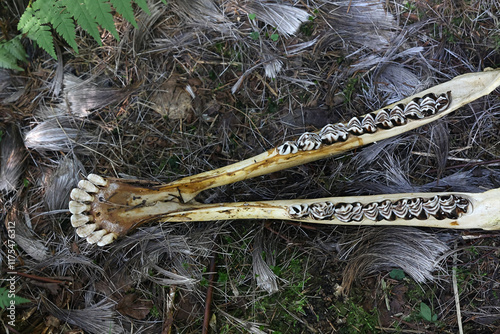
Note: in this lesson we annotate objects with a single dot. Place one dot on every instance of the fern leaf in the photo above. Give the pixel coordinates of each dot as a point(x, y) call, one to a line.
point(124, 8)
point(27, 15)
point(7, 60)
point(5, 299)
point(15, 48)
point(143, 5)
point(102, 14)
point(65, 26)
point(44, 10)
point(83, 17)
point(27, 21)
point(42, 35)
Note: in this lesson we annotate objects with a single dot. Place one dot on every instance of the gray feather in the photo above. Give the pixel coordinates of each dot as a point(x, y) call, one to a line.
point(12, 160)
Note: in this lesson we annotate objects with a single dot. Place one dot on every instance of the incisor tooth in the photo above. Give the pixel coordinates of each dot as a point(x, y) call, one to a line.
point(97, 180)
point(80, 195)
point(85, 230)
point(87, 186)
point(96, 236)
point(107, 239)
point(78, 207)
point(79, 220)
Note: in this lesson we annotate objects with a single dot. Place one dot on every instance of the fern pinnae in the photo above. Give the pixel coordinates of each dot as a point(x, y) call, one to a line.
point(7, 61)
point(10, 52)
point(65, 26)
point(102, 13)
point(83, 17)
point(124, 8)
point(144, 5)
point(16, 49)
point(42, 35)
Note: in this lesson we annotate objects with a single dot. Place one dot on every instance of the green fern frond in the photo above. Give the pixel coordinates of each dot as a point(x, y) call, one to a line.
point(35, 28)
point(5, 299)
point(102, 11)
point(44, 38)
point(15, 48)
point(144, 5)
point(124, 8)
point(65, 26)
point(83, 17)
point(7, 60)
point(61, 15)
point(27, 21)
point(27, 15)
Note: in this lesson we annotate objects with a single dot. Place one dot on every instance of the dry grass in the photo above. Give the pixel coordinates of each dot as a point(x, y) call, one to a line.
point(251, 92)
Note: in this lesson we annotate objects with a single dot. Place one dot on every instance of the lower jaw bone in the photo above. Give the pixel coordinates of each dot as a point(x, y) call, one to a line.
point(118, 206)
point(139, 205)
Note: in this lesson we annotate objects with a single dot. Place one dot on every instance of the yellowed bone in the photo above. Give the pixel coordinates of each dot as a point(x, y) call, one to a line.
point(483, 213)
point(463, 89)
point(106, 208)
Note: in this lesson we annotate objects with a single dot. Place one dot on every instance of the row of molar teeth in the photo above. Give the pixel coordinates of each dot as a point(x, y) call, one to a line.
point(441, 207)
point(80, 205)
point(416, 109)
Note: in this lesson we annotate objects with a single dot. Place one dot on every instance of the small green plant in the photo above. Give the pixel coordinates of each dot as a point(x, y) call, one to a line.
point(6, 297)
point(356, 317)
point(426, 313)
point(350, 88)
point(254, 35)
point(397, 274)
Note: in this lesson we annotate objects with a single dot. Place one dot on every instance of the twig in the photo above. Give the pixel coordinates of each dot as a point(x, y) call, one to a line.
point(455, 291)
point(42, 279)
point(169, 312)
point(208, 301)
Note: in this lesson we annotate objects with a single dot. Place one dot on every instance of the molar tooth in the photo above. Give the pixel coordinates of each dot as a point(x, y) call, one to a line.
point(97, 180)
point(85, 230)
point(107, 239)
point(87, 186)
point(81, 195)
point(79, 220)
point(287, 148)
point(76, 207)
point(96, 236)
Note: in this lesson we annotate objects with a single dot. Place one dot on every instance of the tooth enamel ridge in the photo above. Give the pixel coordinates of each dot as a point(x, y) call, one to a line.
point(107, 239)
point(97, 180)
point(76, 207)
point(78, 220)
point(399, 115)
point(81, 195)
point(437, 207)
point(85, 230)
point(87, 186)
point(96, 236)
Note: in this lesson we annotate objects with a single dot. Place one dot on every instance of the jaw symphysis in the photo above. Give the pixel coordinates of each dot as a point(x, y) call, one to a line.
point(106, 208)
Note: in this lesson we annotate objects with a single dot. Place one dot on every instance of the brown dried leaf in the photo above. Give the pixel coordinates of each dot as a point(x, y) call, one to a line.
point(133, 306)
point(172, 100)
